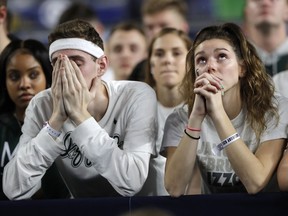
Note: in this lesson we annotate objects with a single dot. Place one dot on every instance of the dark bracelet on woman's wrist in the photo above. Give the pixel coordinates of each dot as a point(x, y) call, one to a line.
point(192, 137)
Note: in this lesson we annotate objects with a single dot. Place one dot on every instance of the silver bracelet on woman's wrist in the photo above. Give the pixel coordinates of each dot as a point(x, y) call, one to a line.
point(224, 143)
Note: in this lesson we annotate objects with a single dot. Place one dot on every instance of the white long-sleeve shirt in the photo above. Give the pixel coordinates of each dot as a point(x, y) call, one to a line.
point(104, 158)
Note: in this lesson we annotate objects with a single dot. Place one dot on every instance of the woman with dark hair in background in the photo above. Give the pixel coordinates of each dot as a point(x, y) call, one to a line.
point(25, 71)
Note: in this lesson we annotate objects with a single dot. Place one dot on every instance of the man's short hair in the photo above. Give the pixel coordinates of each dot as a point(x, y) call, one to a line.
point(127, 26)
point(150, 7)
point(76, 28)
point(78, 10)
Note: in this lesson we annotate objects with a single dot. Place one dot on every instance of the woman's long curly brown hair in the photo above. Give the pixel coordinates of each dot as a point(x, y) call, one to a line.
point(256, 87)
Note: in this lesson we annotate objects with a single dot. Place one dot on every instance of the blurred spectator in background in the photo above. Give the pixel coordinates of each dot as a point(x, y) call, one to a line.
point(164, 13)
point(78, 10)
point(4, 39)
point(126, 46)
point(265, 26)
point(157, 15)
point(165, 71)
point(148, 211)
point(25, 71)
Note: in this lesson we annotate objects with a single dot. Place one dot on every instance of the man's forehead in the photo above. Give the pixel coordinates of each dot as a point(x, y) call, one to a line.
point(70, 53)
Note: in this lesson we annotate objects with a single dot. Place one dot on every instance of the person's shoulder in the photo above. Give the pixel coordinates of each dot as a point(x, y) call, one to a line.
point(281, 101)
point(140, 85)
point(282, 76)
point(284, 45)
point(131, 86)
point(43, 94)
point(180, 113)
point(6, 117)
point(127, 83)
point(42, 97)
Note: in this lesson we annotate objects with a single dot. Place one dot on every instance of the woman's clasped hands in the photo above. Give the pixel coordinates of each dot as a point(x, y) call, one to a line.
point(209, 91)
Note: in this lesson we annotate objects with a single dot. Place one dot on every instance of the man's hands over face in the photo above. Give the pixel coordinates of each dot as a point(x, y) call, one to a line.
point(70, 93)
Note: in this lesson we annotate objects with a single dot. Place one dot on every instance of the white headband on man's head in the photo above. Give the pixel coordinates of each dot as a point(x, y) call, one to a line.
point(75, 43)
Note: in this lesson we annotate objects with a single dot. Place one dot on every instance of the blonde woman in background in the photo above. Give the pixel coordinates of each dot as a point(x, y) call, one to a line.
point(165, 72)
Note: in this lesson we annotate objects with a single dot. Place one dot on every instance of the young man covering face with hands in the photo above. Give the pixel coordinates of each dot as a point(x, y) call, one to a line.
point(101, 135)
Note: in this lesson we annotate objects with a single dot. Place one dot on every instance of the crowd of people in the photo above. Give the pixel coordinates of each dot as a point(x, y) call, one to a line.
point(151, 111)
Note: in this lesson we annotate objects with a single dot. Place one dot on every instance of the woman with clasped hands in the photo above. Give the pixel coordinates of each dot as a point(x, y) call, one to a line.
point(231, 134)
